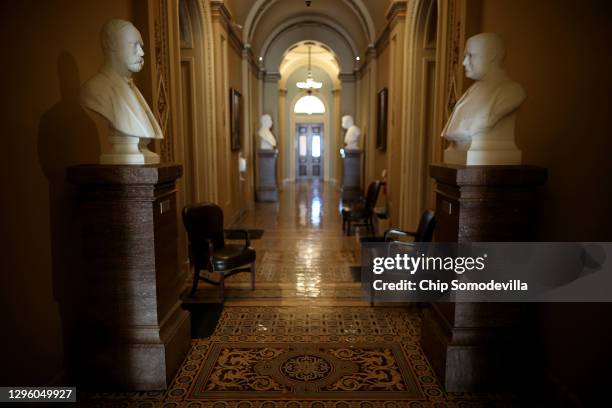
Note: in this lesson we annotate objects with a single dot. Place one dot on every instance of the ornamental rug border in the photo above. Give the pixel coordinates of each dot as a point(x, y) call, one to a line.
point(314, 371)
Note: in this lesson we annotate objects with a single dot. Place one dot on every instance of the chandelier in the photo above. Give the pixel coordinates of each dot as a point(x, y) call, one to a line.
point(310, 83)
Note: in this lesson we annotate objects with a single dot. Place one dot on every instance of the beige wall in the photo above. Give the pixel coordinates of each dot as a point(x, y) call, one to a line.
point(390, 75)
point(233, 195)
point(54, 46)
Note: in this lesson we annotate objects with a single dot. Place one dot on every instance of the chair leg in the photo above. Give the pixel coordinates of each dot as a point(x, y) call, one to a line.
point(253, 276)
point(222, 288)
point(196, 278)
point(348, 227)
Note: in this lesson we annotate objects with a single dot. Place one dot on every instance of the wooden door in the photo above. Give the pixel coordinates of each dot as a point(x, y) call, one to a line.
point(309, 151)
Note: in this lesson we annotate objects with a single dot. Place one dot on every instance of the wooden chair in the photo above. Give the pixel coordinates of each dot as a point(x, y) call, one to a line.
point(208, 250)
point(362, 209)
point(424, 232)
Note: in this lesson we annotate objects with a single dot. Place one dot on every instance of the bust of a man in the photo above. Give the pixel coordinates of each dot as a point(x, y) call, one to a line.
point(352, 138)
point(112, 94)
point(267, 139)
point(481, 126)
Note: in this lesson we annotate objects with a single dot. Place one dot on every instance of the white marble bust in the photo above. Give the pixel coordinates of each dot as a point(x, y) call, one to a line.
point(267, 139)
point(481, 126)
point(112, 94)
point(352, 138)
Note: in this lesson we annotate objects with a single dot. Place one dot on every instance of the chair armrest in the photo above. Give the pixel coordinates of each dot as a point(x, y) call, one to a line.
point(401, 233)
point(247, 237)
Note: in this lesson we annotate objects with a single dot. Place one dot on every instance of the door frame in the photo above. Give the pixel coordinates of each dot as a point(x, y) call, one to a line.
point(296, 153)
point(324, 118)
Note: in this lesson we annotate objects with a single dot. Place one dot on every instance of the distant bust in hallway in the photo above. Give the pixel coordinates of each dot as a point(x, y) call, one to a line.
point(112, 94)
point(481, 126)
point(352, 138)
point(267, 139)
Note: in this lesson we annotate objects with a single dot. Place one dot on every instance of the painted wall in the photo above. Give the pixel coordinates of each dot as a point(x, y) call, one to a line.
point(389, 74)
point(55, 46)
point(560, 52)
point(228, 74)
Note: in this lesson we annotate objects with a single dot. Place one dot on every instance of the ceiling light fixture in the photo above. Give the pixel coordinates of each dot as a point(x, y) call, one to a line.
point(310, 83)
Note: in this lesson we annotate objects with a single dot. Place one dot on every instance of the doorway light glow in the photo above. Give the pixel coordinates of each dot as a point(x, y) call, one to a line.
point(309, 104)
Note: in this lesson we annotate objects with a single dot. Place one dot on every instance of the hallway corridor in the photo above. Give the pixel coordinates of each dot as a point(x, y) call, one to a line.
point(304, 337)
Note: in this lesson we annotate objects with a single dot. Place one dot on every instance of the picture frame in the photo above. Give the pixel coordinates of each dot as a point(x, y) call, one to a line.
point(235, 118)
point(382, 107)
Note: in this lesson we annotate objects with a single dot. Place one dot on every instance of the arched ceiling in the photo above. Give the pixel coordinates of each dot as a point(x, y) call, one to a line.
point(359, 20)
point(321, 57)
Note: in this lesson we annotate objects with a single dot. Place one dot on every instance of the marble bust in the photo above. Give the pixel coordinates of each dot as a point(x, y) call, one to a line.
point(267, 139)
point(481, 127)
point(352, 138)
point(112, 94)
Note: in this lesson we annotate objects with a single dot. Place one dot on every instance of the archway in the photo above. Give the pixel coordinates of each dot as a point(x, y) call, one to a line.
point(420, 146)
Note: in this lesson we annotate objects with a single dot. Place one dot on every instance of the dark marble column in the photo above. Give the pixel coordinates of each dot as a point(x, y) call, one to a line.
point(267, 190)
point(471, 345)
point(351, 175)
point(132, 332)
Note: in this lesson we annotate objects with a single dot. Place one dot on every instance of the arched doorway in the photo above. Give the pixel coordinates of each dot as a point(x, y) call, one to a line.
point(420, 146)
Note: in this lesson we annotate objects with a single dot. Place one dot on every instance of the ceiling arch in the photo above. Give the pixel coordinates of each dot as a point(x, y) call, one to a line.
point(291, 33)
point(350, 16)
point(321, 57)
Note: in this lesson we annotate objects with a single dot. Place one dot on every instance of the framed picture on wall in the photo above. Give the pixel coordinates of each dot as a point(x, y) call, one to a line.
point(381, 119)
point(235, 118)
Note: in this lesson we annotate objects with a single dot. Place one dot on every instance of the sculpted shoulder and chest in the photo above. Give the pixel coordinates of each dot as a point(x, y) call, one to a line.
point(481, 126)
point(112, 94)
point(267, 141)
point(352, 138)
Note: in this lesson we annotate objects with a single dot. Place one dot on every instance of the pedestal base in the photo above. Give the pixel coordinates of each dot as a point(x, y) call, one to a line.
point(132, 333)
point(351, 175)
point(267, 191)
point(471, 346)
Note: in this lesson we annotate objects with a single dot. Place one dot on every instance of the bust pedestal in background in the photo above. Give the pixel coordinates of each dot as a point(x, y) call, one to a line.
point(267, 190)
point(351, 174)
point(133, 333)
point(469, 344)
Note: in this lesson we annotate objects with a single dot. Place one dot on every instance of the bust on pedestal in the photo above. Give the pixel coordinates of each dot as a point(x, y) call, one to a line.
point(132, 331)
point(351, 159)
point(267, 190)
point(483, 194)
point(481, 126)
point(112, 94)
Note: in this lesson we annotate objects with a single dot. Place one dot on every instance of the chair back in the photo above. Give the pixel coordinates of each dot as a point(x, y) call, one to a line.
point(203, 222)
point(427, 224)
point(372, 194)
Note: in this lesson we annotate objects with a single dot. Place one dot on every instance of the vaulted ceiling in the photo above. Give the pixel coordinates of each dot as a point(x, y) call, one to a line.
point(358, 20)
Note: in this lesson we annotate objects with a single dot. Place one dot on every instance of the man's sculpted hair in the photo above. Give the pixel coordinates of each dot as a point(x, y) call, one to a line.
point(110, 31)
point(494, 44)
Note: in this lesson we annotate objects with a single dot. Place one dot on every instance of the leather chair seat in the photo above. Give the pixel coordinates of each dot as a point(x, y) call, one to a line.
point(232, 256)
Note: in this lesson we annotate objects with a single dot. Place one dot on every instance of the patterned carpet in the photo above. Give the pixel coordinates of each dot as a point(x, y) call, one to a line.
point(305, 337)
point(277, 357)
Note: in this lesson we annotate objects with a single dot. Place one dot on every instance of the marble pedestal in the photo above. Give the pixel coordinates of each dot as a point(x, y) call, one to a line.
point(267, 190)
point(351, 175)
point(131, 329)
point(472, 346)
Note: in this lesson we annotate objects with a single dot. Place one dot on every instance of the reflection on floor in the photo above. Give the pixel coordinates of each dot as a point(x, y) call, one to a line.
point(304, 338)
point(303, 258)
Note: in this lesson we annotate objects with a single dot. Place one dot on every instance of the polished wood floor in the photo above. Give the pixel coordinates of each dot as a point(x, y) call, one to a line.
point(303, 257)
